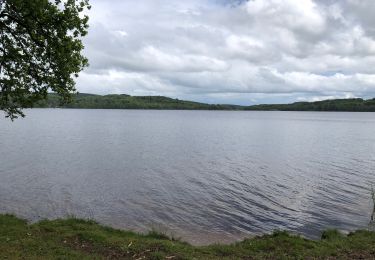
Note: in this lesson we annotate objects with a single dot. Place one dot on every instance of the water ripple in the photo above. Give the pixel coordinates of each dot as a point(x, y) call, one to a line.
point(204, 176)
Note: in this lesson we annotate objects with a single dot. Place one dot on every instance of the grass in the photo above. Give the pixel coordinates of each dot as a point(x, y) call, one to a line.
point(84, 239)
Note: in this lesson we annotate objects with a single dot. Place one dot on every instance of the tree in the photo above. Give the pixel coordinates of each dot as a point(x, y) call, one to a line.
point(40, 50)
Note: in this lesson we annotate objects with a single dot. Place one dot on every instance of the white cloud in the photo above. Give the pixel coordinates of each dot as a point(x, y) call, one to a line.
point(155, 59)
point(277, 50)
point(284, 13)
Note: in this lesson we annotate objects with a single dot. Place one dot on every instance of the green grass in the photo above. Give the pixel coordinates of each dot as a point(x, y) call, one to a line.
point(82, 239)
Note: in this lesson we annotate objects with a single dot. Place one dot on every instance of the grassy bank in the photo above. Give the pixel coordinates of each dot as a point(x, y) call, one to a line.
point(81, 239)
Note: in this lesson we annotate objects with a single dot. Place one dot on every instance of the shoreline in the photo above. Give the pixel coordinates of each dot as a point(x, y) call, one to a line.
point(123, 101)
point(85, 239)
point(208, 110)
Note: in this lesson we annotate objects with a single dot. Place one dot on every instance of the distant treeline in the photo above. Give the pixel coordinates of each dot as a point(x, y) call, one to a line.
point(123, 101)
point(345, 105)
point(90, 101)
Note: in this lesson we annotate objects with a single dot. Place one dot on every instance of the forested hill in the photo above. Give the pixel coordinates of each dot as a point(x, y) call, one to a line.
point(344, 105)
point(91, 101)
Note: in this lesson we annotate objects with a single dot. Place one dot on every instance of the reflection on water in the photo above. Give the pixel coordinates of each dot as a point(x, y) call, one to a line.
point(205, 176)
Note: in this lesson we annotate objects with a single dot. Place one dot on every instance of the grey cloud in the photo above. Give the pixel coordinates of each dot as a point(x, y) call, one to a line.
point(213, 49)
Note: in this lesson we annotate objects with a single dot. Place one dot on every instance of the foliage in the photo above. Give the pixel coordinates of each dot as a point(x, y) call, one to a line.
point(331, 234)
point(349, 105)
point(372, 220)
point(91, 101)
point(130, 102)
point(40, 50)
point(81, 239)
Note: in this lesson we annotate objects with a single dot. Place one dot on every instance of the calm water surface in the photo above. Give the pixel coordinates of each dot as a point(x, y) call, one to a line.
point(205, 176)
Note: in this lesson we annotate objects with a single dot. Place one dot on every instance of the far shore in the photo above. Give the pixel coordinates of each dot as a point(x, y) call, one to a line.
point(123, 101)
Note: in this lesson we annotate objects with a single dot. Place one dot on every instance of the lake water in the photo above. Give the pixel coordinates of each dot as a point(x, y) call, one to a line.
point(205, 176)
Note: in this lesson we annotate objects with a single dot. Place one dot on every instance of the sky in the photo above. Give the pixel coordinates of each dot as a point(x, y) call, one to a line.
point(231, 51)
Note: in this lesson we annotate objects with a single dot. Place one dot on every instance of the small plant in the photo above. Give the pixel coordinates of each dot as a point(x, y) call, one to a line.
point(372, 221)
point(158, 235)
point(331, 234)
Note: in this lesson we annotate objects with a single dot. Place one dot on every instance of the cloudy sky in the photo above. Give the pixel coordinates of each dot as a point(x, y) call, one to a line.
point(232, 51)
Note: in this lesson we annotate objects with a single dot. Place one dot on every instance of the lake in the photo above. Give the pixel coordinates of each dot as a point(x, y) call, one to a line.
point(204, 176)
